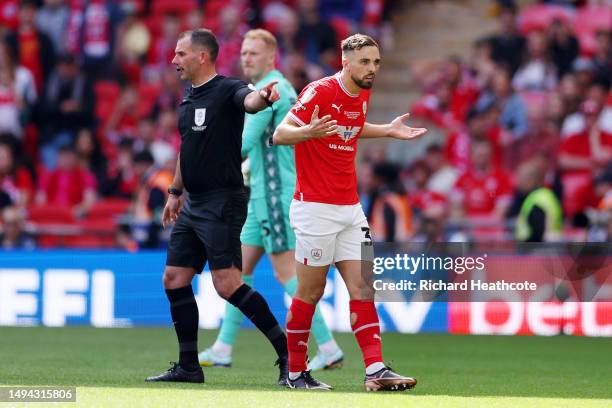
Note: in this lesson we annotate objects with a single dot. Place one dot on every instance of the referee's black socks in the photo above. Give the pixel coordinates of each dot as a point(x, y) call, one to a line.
point(185, 317)
point(254, 306)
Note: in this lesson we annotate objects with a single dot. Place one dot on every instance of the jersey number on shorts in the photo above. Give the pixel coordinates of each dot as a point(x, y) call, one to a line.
point(367, 235)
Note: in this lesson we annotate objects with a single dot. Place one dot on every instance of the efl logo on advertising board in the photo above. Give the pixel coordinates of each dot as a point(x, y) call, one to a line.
point(63, 294)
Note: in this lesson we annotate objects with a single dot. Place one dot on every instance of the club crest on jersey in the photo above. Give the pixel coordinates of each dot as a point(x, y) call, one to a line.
point(346, 133)
point(316, 253)
point(305, 98)
point(200, 116)
point(365, 107)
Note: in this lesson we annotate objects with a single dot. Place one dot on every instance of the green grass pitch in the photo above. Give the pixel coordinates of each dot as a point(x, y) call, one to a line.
point(108, 367)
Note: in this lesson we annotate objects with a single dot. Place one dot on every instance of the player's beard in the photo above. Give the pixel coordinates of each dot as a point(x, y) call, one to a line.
point(362, 82)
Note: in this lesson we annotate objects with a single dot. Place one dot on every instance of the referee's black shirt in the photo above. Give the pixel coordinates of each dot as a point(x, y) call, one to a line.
point(211, 118)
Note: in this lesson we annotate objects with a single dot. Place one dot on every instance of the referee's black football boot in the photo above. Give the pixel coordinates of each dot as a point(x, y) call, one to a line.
point(283, 368)
point(176, 373)
point(306, 382)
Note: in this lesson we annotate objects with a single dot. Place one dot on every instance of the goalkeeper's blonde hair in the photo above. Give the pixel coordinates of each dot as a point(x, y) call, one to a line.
point(264, 35)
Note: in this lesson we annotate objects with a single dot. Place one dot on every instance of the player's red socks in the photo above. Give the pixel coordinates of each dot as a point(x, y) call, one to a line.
point(367, 330)
point(298, 329)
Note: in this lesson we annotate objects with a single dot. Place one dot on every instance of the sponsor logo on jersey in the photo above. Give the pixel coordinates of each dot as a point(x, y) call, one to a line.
point(352, 115)
point(305, 98)
point(346, 133)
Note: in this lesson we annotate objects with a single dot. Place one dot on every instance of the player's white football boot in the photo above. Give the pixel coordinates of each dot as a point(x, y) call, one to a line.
point(326, 362)
point(208, 358)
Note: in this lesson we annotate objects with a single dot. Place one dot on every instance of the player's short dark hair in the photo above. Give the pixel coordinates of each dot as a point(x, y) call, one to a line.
point(203, 37)
point(357, 42)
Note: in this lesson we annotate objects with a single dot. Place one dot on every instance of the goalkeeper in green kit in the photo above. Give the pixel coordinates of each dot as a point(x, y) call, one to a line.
point(272, 181)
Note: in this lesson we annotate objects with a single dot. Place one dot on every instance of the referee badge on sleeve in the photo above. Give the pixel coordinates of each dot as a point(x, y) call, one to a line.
point(200, 116)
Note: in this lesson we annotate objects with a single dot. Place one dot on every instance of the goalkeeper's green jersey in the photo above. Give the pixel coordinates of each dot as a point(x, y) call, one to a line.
point(272, 167)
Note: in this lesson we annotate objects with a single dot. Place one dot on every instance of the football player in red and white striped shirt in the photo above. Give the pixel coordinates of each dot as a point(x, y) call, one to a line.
point(329, 223)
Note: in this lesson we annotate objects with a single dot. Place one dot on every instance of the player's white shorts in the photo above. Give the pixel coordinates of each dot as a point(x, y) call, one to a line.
point(328, 233)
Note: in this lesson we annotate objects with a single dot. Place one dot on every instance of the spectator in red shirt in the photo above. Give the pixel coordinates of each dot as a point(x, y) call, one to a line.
point(124, 119)
point(579, 155)
point(484, 190)
point(162, 48)
point(122, 177)
point(69, 184)
point(34, 50)
point(463, 89)
point(230, 42)
point(16, 185)
point(482, 125)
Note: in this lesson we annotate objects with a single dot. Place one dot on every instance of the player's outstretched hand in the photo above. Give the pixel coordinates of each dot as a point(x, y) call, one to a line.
point(171, 210)
point(321, 127)
point(400, 131)
point(269, 93)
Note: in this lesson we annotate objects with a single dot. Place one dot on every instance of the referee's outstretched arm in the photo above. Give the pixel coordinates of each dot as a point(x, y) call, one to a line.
point(259, 100)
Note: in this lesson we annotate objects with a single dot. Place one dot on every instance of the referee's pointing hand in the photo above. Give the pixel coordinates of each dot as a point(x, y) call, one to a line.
point(269, 93)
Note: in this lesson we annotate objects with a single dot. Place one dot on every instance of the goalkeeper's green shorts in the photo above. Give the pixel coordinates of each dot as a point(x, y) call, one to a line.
point(267, 224)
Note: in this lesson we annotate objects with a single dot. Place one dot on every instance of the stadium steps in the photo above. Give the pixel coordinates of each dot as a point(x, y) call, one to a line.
point(424, 31)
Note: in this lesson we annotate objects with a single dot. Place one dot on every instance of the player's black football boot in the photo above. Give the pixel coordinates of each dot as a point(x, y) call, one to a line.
point(306, 382)
point(387, 380)
point(176, 373)
point(283, 370)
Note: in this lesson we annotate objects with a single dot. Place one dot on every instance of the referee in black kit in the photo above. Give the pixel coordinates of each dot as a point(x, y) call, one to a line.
point(208, 221)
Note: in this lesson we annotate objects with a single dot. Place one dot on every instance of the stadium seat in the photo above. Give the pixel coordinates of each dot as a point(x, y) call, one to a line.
point(94, 234)
point(108, 208)
point(148, 94)
point(55, 221)
point(107, 94)
point(588, 20)
point(51, 214)
point(593, 18)
point(539, 17)
point(161, 7)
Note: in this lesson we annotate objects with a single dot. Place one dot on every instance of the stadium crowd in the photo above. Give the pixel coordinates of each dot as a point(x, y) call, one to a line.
point(525, 126)
point(88, 103)
point(88, 114)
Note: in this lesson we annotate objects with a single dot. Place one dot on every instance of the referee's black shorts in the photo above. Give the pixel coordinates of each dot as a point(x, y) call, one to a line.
point(208, 230)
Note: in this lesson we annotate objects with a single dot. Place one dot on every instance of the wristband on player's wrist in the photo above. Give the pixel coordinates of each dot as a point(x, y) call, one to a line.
point(177, 192)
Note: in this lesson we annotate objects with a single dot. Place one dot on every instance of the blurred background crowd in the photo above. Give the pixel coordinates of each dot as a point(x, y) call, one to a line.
point(520, 145)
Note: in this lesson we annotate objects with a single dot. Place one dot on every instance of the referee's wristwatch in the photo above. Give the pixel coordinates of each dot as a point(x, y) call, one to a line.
point(175, 191)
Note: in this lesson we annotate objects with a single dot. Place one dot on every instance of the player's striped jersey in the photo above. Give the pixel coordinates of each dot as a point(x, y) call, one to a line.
point(272, 167)
point(326, 166)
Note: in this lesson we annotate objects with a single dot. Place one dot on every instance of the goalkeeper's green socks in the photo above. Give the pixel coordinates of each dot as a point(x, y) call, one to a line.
point(233, 321)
